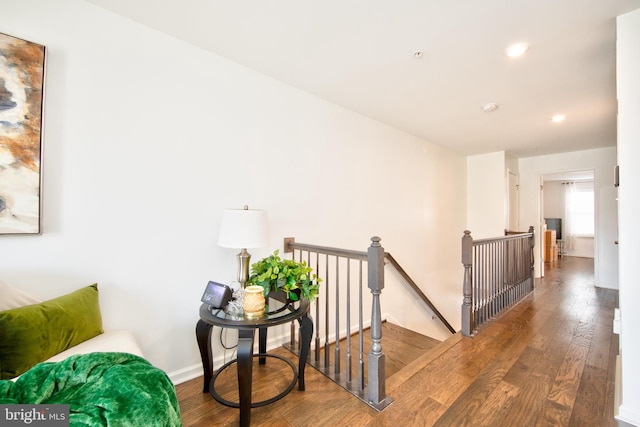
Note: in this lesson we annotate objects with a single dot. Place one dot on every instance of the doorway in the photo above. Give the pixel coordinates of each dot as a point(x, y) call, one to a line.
point(567, 212)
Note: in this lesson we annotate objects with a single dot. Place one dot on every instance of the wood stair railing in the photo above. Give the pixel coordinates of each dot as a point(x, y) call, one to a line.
point(341, 294)
point(498, 273)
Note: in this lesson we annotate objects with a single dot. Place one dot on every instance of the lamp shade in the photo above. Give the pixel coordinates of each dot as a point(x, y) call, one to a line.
point(243, 228)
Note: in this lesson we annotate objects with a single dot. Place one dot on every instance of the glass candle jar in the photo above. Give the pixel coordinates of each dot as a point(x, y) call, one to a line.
point(253, 302)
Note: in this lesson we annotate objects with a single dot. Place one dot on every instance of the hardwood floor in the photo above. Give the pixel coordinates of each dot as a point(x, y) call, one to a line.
point(549, 361)
point(404, 347)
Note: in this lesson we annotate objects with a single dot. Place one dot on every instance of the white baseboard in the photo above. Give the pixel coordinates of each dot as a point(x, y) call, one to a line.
point(620, 412)
point(185, 374)
point(616, 388)
point(194, 371)
point(628, 416)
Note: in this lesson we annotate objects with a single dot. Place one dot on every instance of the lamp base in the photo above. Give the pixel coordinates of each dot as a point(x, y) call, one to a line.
point(244, 259)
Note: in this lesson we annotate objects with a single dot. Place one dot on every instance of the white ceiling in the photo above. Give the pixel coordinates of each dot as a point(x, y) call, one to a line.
point(359, 54)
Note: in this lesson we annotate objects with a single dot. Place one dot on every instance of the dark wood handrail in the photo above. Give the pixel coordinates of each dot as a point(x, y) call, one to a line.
point(290, 244)
point(510, 236)
point(418, 291)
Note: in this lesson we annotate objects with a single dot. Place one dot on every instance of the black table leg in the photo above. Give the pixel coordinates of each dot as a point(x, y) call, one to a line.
point(203, 335)
point(245, 354)
point(262, 345)
point(306, 332)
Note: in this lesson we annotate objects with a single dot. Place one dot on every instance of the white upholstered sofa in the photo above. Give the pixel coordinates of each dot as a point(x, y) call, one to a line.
point(107, 341)
point(56, 352)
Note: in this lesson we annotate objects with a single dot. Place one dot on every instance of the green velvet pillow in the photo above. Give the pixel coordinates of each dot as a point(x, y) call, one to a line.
point(34, 333)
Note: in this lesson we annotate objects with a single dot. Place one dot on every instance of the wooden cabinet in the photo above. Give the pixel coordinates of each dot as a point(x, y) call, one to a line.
point(551, 253)
point(550, 246)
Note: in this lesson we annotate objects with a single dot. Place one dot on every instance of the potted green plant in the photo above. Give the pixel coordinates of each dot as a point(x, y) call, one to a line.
point(294, 278)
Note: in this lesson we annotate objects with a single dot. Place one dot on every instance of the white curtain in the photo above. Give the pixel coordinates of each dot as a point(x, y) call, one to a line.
point(567, 227)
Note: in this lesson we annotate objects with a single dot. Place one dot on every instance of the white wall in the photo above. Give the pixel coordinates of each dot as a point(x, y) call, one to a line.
point(512, 194)
point(628, 70)
point(553, 199)
point(147, 139)
point(486, 195)
point(602, 161)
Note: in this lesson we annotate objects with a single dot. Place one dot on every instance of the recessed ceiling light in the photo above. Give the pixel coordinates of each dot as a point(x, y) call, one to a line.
point(418, 54)
point(516, 50)
point(558, 118)
point(490, 107)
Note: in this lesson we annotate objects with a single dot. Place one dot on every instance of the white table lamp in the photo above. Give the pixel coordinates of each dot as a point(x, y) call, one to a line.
point(243, 229)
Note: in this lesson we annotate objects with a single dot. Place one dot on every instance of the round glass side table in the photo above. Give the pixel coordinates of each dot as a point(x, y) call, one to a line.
point(246, 326)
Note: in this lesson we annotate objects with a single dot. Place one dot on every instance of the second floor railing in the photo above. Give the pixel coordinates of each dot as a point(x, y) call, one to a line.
point(340, 307)
point(342, 315)
point(498, 273)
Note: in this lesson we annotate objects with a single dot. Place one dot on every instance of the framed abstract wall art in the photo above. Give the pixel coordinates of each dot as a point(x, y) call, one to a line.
point(22, 66)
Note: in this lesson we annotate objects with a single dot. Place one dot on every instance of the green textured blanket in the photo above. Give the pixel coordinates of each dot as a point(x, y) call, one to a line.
point(102, 389)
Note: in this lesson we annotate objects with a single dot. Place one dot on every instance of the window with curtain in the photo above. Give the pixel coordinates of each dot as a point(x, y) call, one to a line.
point(580, 209)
